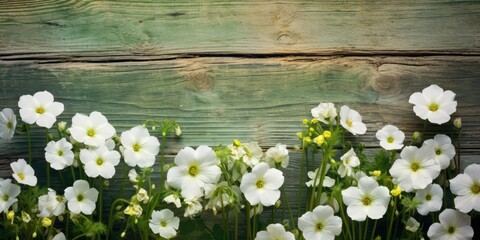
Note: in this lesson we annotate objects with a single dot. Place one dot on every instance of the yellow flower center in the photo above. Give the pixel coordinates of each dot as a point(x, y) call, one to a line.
point(193, 171)
point(433, 107)
point(163, 224)
point(91, 132)
point(428, 197)
point(438, 151)
point(318, 227)
point(5, 197)
point(349, 123)
point(80, 197)
point(9, 125)
point(60, 153)
point(366, 201)
point(21, 176)
point(99, 161)
point(347, 161)
point(390, 139)
point(136, 147)
point(40, 110)
point(260, 184)
point(415, 167)
point(475, 189)
point(451, 230)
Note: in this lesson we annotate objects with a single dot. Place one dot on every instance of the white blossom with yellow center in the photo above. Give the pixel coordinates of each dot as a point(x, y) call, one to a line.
point(23, 173)
point(434, 104)
point(351, 120)
point(40, 108)
point(100, 161)
point(140, 148)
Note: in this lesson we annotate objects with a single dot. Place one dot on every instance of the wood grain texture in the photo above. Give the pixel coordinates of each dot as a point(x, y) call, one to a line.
point(242, 27)
point(217, 100)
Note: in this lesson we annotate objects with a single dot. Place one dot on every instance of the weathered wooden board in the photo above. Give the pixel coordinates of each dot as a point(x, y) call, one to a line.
point(242, 27)
point(219, 99)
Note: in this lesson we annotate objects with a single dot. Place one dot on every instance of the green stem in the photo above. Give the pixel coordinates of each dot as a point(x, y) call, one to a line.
point(301, 183)
point(249, 231)
point(48, 164)
point(366, 230)
point(124, 176)
point(458, 151)
point(374, 229)
point(73, 173)
point(100, 201)
point(344, 218)
point(236, 224)
point(390, 225)
point(110, 218)
point(288, 205)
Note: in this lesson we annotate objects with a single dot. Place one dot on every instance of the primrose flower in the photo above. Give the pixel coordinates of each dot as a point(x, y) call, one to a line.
point(51, 204)
point(277, 154)
point(164, 223)
point(320, 223)
point(100, 161)
point(23, 173)
point(194, 169)
point(81, 198)
point(415, 169)
point(93, 130)
point(39, 108)
point(454, 225)
point(430, 199)
point(8, 122)
point(140, 147)
point(434, 104)
point(262, 184)
point(390, 137)
point(59, 154)
point(8, 194)
point(351, 120)
point(325, 113)
point(444, 150)
point(275, 231)
point(467, 188)
point(349, 161)
point(368, 199)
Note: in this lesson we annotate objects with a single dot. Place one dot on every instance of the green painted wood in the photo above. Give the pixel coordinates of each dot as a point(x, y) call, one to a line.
point(243, 27)
point(219, 99)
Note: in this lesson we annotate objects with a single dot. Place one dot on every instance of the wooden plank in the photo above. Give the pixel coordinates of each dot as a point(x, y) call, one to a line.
point(217, 100)
point(242, 27)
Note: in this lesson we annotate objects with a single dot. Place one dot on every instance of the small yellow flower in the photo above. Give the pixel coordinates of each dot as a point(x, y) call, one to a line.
point(11, 215)
point(308, 139)
point(311, 129)
point(46, 222)
point(305, 121)
point(299, 135)
point(314, 121)
point(319, 140)
point(396, 191)
point(236, 143)
point(376, 173)
point(327, 134)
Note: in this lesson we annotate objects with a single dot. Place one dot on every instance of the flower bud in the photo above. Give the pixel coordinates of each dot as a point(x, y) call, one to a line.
point(178, 131)
point(319, 140)
point(10, 215)
point(278, 203)
point(314, 121)
point(136, 220)
point(25, 217)
point(61, 126)
point(119, 207)
point(236, 143)
point(305, 121)
point(123, 234)
point(153, 128)
point(299, 135)
point(376, 173)
point(416, 135)
point(311, 129)
point(327, 134)
point(34, 234)
point(308, 139)
point(153, 186)
point(396, 191)
point(457, 122)
point(46, 222)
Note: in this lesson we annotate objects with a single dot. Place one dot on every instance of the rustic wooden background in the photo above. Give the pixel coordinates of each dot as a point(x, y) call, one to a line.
point(247, 70)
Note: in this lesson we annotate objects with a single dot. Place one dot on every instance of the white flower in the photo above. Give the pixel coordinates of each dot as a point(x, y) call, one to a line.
point(262, 184)
point(39, 108)
point(23, 173)
point(51, 204)
point(275, 232)
point(412, 225)
point(59, 154)
point(8, 194)
point(415, 169)
point(320, 224)
point(81, 198)
point(253, 154)
point(164, 223)
point(444, 150)
point(133, 210)
point(26, 217)
point(467, 188)
point(142, 196)
point(92, 130)
point(430, 199)
point(349, 161)
point(277, 154)
point(454, 225)
point(351, 120)
point(434, 104)
point(8, 122)
point(325, 112)
point(59, 236)
point(194, 169)
point(140, 147)
point(133, 176)
point(173, 198)
point(100, 161)
point(193, 207)
point(368, 199)
point(327, 181)
point(390, 137)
